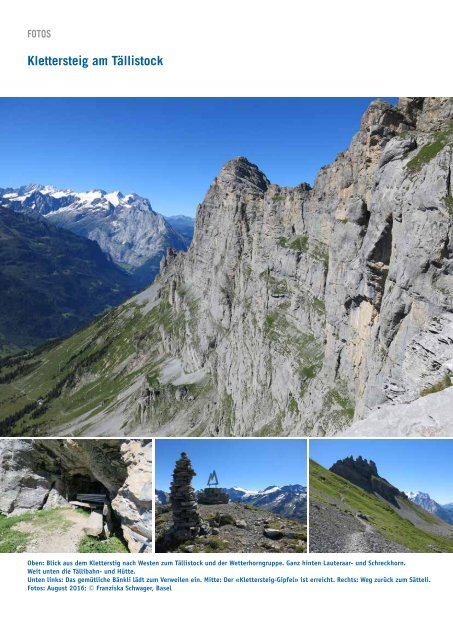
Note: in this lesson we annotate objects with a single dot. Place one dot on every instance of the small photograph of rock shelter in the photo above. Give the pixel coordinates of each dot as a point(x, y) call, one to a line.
point(75, 496)
point(231, 495)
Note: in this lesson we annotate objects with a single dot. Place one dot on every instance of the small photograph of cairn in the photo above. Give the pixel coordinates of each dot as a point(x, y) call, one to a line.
point(75, 496)
point(231, 496)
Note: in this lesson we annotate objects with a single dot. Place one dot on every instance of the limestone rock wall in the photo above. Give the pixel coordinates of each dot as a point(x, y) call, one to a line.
point(309, 307)
point(133, 502)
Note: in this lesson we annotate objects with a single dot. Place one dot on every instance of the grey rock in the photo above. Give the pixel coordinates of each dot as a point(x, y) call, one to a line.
point(306, 310)
point(274, 534)
point(241, 524)
point(133, 501)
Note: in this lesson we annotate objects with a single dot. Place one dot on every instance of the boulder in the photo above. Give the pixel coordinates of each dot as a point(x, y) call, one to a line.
point(274, 534)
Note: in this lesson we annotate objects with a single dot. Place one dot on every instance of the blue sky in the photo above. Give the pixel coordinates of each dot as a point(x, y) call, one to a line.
point(246, 463)
point(411, 465)
point(169, 150)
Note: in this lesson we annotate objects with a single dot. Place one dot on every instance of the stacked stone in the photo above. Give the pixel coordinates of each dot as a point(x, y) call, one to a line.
point(187, 522)
point(213, 495)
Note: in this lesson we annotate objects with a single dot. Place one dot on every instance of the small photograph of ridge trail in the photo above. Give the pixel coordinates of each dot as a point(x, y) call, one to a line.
point(231, 496)
point(75, 496)
point(381, 496)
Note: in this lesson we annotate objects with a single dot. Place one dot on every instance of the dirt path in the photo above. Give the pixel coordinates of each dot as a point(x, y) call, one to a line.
point(360, 541)
point(59, 536)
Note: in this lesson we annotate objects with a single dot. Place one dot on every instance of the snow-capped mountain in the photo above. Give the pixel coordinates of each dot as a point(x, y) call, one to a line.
point(125, 226)
point(424, 500)
point(289, 501)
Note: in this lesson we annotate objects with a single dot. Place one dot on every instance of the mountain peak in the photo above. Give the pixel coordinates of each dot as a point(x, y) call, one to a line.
point(364, 474)
point(239, 173)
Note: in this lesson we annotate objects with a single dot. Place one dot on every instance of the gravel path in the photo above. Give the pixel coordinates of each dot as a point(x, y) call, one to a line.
point(334, 530)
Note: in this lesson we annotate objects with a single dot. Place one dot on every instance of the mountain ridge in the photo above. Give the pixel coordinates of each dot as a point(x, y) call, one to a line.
point(289, 501)
point(125, 226)
point(444, 512)
point(346, 518)
point(52, 281)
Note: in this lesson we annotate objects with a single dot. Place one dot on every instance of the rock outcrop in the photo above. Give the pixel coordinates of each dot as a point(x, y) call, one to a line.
point(364, 474)
point(133, 502)
point(45, 474)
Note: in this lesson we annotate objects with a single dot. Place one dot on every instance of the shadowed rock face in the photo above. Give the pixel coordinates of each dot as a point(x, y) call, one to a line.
point(44, 474)
point(364, 474)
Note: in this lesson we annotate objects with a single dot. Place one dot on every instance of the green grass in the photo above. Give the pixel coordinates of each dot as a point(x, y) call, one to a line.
point(297, 243)
point(112, 545)
point(293, 407)
point(84, 373)
point(318, 305)
point(214, 544)
point(439, 386)
point(325, 486)
point(430, 150)
point(344, 404)
point(12, 541)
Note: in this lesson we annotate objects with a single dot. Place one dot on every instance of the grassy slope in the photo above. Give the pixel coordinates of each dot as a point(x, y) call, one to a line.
point(84, 374)
point(12, 541)
point(325, 485)
point(80, 374)
point(112, 545)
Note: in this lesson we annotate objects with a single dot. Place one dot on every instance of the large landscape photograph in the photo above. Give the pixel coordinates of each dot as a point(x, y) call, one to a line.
point(226, 267)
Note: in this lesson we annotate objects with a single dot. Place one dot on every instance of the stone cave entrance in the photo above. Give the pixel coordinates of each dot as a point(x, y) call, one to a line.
point(82, 483)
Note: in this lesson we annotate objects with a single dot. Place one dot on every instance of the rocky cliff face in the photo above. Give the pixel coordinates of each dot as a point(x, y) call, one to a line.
point(364, 474)
point(311, 306)
point(44, 474)
point(295, 310)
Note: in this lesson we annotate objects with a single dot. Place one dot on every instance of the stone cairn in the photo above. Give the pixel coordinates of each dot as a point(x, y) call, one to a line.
point(187, 521)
